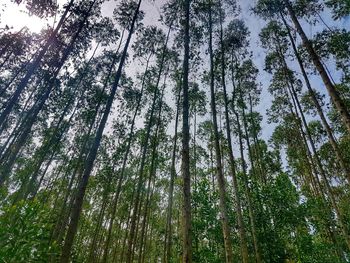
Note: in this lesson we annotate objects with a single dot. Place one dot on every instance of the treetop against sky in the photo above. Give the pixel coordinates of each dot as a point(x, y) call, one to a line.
point(174, 131)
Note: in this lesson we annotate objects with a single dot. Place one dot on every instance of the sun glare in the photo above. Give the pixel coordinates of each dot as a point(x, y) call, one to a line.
point(16, 17)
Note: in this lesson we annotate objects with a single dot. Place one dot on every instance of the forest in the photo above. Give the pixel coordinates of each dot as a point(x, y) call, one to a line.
point(175, 131)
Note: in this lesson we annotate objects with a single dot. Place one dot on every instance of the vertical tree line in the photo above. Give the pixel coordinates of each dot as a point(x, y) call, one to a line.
point(202, 137)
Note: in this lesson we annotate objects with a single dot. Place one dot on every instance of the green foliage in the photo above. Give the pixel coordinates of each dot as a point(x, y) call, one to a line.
point(25, 230)
point(340, 8)
point(39, 8)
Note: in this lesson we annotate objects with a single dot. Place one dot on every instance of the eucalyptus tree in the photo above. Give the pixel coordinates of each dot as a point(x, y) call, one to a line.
point(156, 163)
point(185, 160)
point(33, 65)
point(317, 105)
point(168, 237)
point(109, 191)
point(151, 42)
point(233, 45)
point(88, 166)
point(72, 102)
point(208, 11)
point(277, 9)
point(161, 68)
point(198, 102)
point(95, 97)
point(277, 63)
point(245, 90)
point(42, 97)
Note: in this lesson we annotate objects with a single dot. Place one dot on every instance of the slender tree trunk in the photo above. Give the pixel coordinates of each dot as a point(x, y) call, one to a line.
point(321, 169)
point(152, 175)
point(131, 243)
point(302, 121)
point(324, 121)
point(141, 170)
point(332, 91)
point(219, 168)
point(116, 196)
point(258, 153)
point(247, 190)
point(32, 116)
point(153, 169)
point(92, 249)
point(122, 254)
point(168, 232)
point(63, 215)
point(137, 223)
point(33, 66)
point(238, 208)
point(58, 134)
point(315, 181)
point(185, 160)
point(121, 177)
point(72, 228)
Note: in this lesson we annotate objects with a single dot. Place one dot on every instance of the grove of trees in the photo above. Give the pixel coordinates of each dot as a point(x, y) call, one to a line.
point(122, 140)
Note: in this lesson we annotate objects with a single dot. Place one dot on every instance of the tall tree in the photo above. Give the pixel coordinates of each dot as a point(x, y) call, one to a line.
point(185, 165)
point(88, 166)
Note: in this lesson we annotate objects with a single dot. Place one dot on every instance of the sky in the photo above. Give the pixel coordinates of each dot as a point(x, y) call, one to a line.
point(15, 16)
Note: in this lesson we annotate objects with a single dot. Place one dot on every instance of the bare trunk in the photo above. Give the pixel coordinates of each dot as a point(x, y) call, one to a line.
point(238, 208)
point(168, 232)
point(219, 169)
point(185, 164)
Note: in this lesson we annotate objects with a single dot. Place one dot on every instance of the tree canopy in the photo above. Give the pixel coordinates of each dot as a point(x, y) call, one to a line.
point(175, 131)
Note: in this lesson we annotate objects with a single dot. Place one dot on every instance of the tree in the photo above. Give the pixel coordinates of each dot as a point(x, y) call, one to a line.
point(185, 166)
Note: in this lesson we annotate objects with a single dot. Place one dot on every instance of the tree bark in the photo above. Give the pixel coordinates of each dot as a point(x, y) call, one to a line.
point(185, 162)
point(168, 232)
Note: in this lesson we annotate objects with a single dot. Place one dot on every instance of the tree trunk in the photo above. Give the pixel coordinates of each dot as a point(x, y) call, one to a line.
point(92, 252)
point(238, 208)
point(72, 228)
point(321, 169)
point(328, 129)
point(219, 169)
point(185, 160)
point(121, 177)
point(151, 179)
point(332, 91)
point(32, 116)
point(140, 177)
point(168, 231)
point(33, 66)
